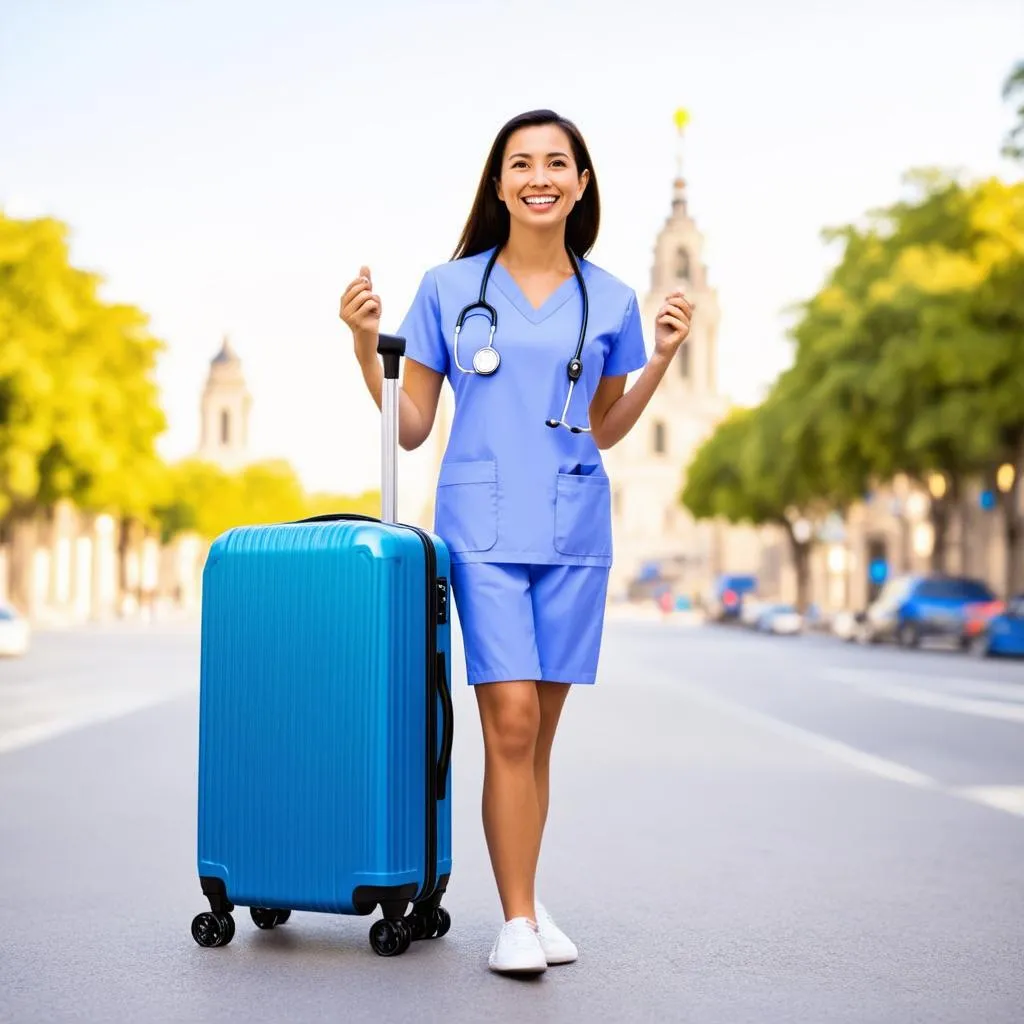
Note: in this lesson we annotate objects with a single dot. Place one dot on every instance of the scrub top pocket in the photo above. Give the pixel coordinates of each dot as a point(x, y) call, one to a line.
point(467, 505)
point(583, 515)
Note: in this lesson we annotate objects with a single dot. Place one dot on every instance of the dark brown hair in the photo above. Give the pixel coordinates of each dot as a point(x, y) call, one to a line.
point(487, 226)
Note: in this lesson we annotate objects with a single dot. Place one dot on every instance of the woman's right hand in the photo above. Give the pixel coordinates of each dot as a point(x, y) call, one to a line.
point(360, 311)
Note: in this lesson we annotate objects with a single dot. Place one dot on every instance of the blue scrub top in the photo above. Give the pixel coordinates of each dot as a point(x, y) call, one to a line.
point(510, 488)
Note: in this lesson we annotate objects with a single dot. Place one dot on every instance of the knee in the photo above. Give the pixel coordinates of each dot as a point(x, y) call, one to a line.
point(512, 729)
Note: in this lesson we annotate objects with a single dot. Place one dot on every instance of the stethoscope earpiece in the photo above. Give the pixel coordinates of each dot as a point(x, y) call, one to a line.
point(487, 359)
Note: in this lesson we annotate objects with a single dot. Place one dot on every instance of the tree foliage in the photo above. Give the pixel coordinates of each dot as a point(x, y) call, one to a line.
point(79, 405)
point(1013, 89)
point(909, 359)
point(207, 500)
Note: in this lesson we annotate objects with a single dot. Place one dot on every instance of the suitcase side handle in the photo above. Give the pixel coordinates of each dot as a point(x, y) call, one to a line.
point(444, 759)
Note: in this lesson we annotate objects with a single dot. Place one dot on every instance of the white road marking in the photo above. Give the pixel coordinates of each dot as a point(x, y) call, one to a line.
point(1012, 692)
point(859, 759)
point(102, 708)
point(1002, 798)
point(939, 700)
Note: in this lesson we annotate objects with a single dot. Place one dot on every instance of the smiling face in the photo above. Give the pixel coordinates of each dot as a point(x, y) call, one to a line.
point(540, 182)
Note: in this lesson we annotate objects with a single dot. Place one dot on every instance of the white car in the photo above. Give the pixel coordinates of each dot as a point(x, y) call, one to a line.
point(750, 611)
point(782, 619)
point(15, 633)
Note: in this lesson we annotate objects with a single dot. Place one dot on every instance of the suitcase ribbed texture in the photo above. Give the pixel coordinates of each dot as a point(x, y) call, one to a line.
point(313, 752)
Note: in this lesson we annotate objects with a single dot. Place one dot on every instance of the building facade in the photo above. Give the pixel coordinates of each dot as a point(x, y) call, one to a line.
point(655, 539)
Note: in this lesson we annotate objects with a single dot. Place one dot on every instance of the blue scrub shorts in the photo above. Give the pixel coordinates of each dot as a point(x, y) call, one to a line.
point(541, 622)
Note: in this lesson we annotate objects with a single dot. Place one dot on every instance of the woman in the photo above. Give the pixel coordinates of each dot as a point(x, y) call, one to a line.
point(523, 501)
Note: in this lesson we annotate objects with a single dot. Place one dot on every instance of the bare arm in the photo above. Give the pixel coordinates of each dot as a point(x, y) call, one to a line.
point(417, 397)
point(614, 411)
point(614, 414)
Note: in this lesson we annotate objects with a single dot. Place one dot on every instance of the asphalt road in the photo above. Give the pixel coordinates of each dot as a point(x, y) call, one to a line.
point(743, 829)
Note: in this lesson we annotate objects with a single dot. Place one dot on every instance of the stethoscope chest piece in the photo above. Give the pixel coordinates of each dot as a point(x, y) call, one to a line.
point(486, 360)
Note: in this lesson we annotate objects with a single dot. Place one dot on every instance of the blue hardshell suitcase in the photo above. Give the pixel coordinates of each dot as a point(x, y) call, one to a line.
point(326, 721)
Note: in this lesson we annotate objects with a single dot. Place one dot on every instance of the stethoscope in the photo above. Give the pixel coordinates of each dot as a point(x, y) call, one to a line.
point(487, 359)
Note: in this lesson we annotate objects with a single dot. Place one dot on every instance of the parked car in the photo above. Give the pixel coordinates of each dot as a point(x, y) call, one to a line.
point(848, 626)
point(15, 632)
point(977, 616)
point(727, 597)
point(1003, 633)
point(782, 619)
point(750, 611)
point(910, 608)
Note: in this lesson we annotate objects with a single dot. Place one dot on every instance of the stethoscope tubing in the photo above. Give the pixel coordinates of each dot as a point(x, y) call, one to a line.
point(488, 357)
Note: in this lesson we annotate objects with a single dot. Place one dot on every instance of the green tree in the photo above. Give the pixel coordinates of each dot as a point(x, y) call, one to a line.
point(1013, 89)
point(760, 467)
point(913, 351)
point(203, 498)
point(79, 409)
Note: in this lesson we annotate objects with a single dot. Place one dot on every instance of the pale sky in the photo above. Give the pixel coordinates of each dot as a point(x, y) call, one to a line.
point(227, 166)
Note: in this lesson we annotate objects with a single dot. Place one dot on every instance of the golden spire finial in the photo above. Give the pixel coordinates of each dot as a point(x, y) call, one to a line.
point(681, 117)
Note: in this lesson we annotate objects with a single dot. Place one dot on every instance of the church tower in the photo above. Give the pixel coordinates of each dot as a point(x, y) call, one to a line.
point(224, 411)
point(652, 533)
point(678, 263)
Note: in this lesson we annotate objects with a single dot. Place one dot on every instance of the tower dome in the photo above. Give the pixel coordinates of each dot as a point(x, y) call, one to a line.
point(224, 411)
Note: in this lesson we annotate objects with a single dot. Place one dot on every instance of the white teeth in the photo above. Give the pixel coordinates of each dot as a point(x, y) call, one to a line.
point(540, 200)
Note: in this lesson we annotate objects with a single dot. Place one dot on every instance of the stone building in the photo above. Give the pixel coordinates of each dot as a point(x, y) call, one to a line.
point(224, 411)
point(655, 538)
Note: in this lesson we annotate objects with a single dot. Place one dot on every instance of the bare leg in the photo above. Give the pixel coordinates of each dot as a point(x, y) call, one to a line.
point(510, 716)
point(552, 699)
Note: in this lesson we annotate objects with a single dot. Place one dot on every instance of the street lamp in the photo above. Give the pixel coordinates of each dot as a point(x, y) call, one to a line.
point(1005, 476)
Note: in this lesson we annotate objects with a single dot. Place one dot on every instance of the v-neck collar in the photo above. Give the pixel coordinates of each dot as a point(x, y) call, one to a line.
point(506, 284)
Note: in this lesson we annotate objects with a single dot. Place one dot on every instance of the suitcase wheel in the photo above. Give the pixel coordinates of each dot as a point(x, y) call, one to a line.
point(428, 923)
point(266, 917)
point(211, 930)
point(390, 938)
point(442, 922)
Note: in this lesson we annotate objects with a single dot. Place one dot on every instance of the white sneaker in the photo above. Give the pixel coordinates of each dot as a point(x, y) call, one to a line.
point(517, 950)
point(558, 947)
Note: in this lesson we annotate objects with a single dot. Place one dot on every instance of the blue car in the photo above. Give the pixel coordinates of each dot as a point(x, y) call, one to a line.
point(911, 608)
point(728, 594)
point(1004, 633)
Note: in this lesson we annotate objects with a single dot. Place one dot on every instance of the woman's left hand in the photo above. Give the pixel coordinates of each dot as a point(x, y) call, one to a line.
point(672, 324)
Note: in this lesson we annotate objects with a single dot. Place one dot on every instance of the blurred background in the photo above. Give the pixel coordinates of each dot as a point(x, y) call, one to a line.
point(187, 188)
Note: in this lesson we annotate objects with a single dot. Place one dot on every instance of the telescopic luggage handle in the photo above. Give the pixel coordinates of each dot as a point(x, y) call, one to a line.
point(391, 348)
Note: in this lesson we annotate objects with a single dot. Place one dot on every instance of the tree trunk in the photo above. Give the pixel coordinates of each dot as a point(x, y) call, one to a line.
point(1014, 529)
point(21, 532)
point(906, 544)
point(1013, 543)
point(963, 519)
point(939, 515)
point(801, 553)
point(124, 543)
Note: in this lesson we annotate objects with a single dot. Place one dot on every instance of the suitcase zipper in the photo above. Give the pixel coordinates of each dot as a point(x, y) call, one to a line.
point(431, 767)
